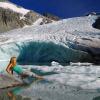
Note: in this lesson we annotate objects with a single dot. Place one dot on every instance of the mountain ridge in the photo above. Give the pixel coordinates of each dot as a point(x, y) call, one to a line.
point(12, 17)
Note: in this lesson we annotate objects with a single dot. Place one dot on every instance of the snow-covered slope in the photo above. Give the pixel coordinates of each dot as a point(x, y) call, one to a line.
point(57, 41)
point(13, 7)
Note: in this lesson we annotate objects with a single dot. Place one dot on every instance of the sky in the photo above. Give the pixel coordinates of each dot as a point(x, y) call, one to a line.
point(61, 8)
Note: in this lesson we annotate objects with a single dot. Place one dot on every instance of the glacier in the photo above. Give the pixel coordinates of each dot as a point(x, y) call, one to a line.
point(68, 40)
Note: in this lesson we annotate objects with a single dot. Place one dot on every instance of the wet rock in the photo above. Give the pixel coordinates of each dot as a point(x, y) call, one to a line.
point(96, 98)
point(39, 99)
point(18, 97)
point(26, 98)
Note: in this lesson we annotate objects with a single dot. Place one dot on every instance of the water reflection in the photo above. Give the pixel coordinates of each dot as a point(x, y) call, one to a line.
point(12, 94)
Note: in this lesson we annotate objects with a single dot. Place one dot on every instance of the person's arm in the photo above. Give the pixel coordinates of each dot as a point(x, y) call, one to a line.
point(8, 69)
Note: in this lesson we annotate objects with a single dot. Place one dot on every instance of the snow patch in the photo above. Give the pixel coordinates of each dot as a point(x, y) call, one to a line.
point(38, 22)
point(13, 7)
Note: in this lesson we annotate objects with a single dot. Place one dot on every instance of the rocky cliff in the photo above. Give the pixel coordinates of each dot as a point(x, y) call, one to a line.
point(12, 18)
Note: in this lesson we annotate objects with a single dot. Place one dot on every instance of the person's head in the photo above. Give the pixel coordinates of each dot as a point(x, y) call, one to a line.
point(13, 60)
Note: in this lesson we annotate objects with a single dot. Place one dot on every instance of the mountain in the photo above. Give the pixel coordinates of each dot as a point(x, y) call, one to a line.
point(13, 16)
point(69, 40)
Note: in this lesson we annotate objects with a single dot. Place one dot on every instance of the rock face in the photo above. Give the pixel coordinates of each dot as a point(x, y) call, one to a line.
point(97, 24)
point(10, 19)
point(52, 17)
point(96, 98)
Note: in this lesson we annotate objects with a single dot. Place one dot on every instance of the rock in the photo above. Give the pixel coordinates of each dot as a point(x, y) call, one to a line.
point(39, 99)
point(51, 16)
point(26, 98)
point(18, 97)
point(96, 98)
point(7, 81)
point(97, 23)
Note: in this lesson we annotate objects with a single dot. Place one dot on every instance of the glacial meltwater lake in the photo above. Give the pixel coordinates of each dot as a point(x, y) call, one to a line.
point(77, 81)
